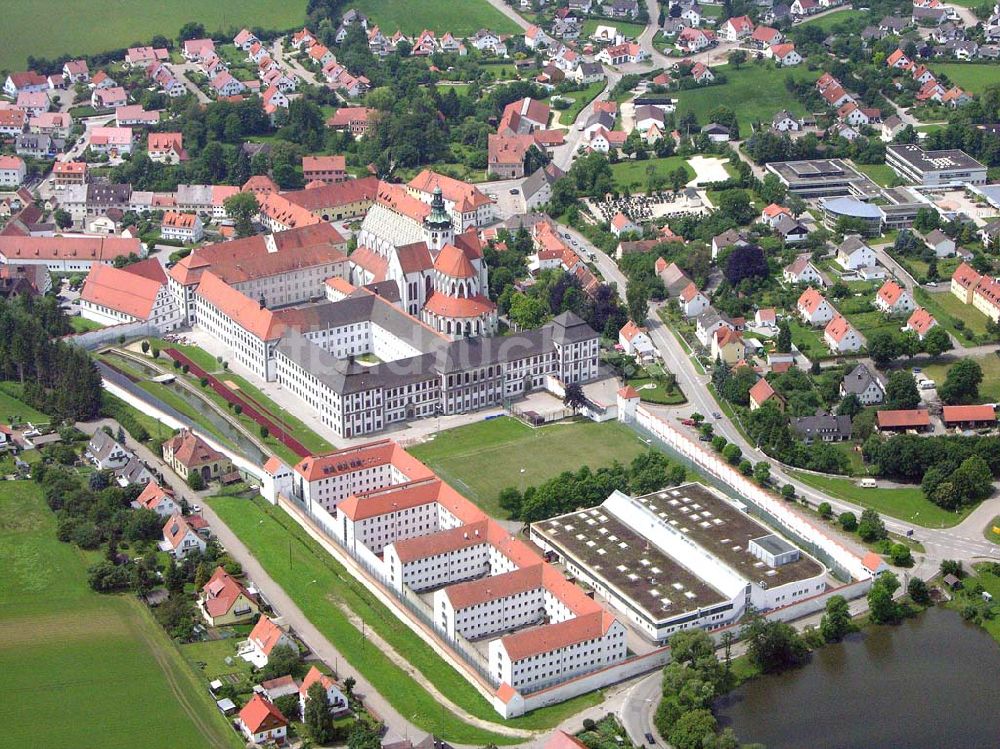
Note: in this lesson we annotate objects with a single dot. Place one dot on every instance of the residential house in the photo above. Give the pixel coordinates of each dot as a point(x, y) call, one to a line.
point(187, 453)
point(166, 148)
point(790, 230)
point(12, 171)
point(635, 341)
point(587, 72)
point(701, 73)
point(224, 600)
point(727, 345)
point(336, 698)
point(864, 384)
point(941, 243)
point(735, 29)
point(12, 121)
point(920, 322)
point(69, 173)
point(841, 337)
point(814, 309)
point(264, 637)
point(18, 83)
point(716, 133)
point(853, 254)
point(262, 723)
point(76, 71)
point(761, 393)
point(802, 270)
point(105, 452)
point(728, 238)
point(33, 103)
point(764, 37)
point(765, 317)
point(964, 281)
point(181, 535)
point(245, 40)
point(691, 301)
point(182, 227)
point(622, 54)
point(822, 427)
point(134, 473)
point(326, 169)
point(115, 141)
point(224, 84)
point(161, 501)
point(772, 213)
point(692, 40)
point(708, 323)
point(55, 124)
point(893, 299)
point(891, 127)
point(673, 278)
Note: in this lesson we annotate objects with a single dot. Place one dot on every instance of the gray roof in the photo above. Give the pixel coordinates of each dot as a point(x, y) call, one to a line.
point(787, 225)
point(534, 182)
point(103, 193)
point(937, 236)
point(570, 328)
point(135, 471)
point(814, 427)
point(604, 119)
point(859, 379)
point(851, 244)
point(194, 195)
point(102, 445)
point(591, 68)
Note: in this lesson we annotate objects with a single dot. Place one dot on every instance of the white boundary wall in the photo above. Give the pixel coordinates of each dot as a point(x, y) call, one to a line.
point(718, 467)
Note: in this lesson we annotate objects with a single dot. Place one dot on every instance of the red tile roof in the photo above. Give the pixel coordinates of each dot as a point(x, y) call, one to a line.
point(124, 292)
point(260, 715)
point(908, 418)
point(221, 592)
point(362, 457)
point(920, 321)
point(529, 642)
point(810, 300)
point(890, 292)
point(966, 276)
point(151, 495)
point(266, 634)
point(838, 327)
point(312, 677)
point(954, 414)
point(95, 249)
point(461, 307)
point(243, 310)
point(190, 450)
point(761, 391)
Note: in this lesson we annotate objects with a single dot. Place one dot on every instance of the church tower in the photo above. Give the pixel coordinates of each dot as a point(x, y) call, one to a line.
point(438, 230)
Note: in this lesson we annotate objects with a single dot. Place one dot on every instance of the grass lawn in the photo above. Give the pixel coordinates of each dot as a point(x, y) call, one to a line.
point(460, 18)
point(580, 100)
point(461, 89)
point(632, 174)
point(72, 659)
point(12, 406)
point(947, 308)
point(126, 22)
point(321, 587)
point(827, 22)
point(907, 504)
point(982, 575)
point(989, 389)
point(481, 459)
point(209, 659)
point(973, 77)
point(754, 92)
point(881, 174)
point(808, 340)
point(631, 30)
point(656, 393)
point(82, 324)
point(195, 353)
point(870, 322)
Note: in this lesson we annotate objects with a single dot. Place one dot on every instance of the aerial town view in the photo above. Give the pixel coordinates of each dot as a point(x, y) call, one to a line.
point(552, 374)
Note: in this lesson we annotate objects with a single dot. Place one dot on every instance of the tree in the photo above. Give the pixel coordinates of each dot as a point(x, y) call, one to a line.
point(883, 347)
point(762, 472)
point(836, 621)
point(283, 659)
point(952, 567)
point(736, 205)
point(736, 58)
point(850, 406)
point(732, 454)
point(961, 385)
point(317, 716)
point(972, 480)
point(882, 608)
point(62, 218)
point(901, 391)
point(574, 397)
point(848, 521)
point(745, 261)
point(191, 30)
point(788, 491)
point(937, 341)
point(195, 481)
point(264, 432)
point(870, 527)
point(772, 645)
point(784, 341)
point(918, 591)
point(691, 729)
point(825, 510)
point(899, 555)
point(242, 207)
point(363, 736)
point(202, 574)
point(637, 298)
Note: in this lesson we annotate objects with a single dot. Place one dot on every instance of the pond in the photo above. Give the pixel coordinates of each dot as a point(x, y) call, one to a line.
point(931, 682)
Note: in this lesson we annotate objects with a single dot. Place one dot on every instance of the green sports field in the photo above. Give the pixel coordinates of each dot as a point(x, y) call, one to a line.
point(754, 92)
point(80, 669)
point(482, 458)
point(50, 28)
point(461, 18)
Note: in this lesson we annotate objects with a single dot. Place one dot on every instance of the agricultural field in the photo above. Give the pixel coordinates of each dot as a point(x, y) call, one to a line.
point(331, 598)
point(460, 18)
point(973, 77)
point(125, 23)
point(906, 503)
point(754, 92)
point(633, 174)
point(83, 669)
point(989, 389)
point(481, 459)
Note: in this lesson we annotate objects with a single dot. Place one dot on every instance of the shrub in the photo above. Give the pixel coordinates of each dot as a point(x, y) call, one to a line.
point(824, 510)
point(848, 521)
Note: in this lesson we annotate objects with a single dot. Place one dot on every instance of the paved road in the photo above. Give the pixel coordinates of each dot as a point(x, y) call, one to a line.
point(512, 14)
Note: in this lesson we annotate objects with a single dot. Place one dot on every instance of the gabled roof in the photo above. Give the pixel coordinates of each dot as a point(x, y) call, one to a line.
point(152, 495)
point(191, 450)
point(221, 592)
point(890, 292)
point(920, 321)
point(761, 391)
point(904, 418)
point(177, 527)
point(120, 290)
point(260, 715)
point(968, 413)
point(838, 328)
point(810, 301)
point(266, 634)
point(312, 677)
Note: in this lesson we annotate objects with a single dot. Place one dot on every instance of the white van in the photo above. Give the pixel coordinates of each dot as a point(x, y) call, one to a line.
point(868, 484)
point(927, 384)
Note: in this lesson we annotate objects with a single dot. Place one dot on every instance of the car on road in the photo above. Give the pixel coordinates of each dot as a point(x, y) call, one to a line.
point(514, 191)
point(704, 438)
point(716, 415)
point(196, 508)
point(687, 422)
point(649, 739)
point(932, 284)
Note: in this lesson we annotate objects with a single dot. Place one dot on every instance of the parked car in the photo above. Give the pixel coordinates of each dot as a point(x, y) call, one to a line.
point(687, 422)
point(716, 415)
point(649, 739)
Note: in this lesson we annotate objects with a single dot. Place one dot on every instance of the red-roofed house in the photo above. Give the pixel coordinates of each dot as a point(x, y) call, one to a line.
point(336, 698)
point(920, 322)
point(181, 537)
point(773, 213)
point(161, 501)
point(691, 301)
point(636, 342)
point(622, 224)
point(784, 54)
point(814, 309)
point(327, 169)
point(184, 227)
point(12, 171)
point(225, 600)
point(264, 637)
point(187, 453)
point(964, 281)
point(969, 417)
point(727, 345)
point(734, 29)
point(261, 722)
point(893, 299)
point(874, 563)
point(166, 148)
point(841, 336)
point(761, 393)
